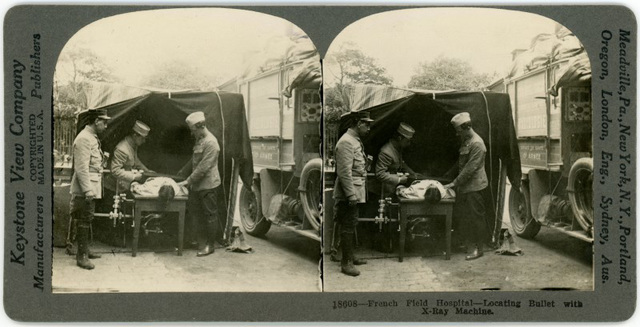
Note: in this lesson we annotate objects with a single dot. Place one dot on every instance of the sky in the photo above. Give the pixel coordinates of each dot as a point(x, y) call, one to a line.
point(401, 39)
point(215, 41)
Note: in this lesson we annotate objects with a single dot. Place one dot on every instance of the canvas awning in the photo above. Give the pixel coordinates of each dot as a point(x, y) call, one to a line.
point(435, 146)
point(168, 148)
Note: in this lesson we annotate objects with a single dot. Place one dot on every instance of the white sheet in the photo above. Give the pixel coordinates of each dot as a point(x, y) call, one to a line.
point(152, 186)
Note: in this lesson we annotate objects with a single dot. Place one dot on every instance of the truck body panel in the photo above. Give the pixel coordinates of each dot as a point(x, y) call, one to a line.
point(554, 139)
point(284, 126)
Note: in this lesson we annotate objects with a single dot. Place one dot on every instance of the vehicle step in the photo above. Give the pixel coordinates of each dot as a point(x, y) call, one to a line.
point(308, 233)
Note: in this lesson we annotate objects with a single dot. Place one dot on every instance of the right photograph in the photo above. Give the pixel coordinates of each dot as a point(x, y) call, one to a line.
point(457, 154)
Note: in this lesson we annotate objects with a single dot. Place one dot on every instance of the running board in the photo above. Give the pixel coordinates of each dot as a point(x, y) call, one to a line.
point(312, 234)
point(308, 233)
point(577, 234)
point(297, 228)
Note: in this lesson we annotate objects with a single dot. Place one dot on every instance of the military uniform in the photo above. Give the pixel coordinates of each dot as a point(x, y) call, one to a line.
point(390, 162)
point(472, 176)
point(470, 184)
point(205, 174)
point(87, 164)
point(86, 185)
point(87, 174)
point(388, 166)
point(124, 160)
point(350, 186)
point(204, 183)
point(351, 179)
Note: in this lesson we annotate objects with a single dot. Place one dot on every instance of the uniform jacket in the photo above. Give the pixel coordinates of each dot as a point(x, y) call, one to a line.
point(351, 172)
point(87, 163)
point(388, 166)
point(205, 174)
point(472, 176)
point(125, 158)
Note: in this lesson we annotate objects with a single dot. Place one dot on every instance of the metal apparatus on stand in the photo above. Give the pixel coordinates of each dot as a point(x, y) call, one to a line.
point(117, 214)
point(383, 214)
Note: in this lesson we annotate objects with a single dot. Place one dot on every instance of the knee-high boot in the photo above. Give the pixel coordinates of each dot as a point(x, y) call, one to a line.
point(477, 248)
point(82, 256)
point(346, 263)
point(356, 261)
point(71, 246)
point(212, 229)
point(91, 254)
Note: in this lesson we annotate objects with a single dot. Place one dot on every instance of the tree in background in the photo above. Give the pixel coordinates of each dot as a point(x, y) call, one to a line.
point(334, 104)
point(349, 66)
point(357, 68)
point(179, 75)
point(75, 69)
point(448, 74)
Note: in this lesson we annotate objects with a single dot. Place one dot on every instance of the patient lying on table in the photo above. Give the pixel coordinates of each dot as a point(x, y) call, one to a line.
point(425, 189)
point(152, 186)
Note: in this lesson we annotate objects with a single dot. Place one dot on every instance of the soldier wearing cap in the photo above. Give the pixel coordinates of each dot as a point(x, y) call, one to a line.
point(204, 181)
point(86, 183)
point(126, 167)
point(469, 184)
point(390, 163)
point(349, 190)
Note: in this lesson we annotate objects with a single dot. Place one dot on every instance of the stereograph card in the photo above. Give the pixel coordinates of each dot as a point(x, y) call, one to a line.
point(320, 163)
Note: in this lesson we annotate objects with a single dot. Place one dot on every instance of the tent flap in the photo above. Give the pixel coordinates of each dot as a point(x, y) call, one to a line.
point(168, 148)
point(434, 148)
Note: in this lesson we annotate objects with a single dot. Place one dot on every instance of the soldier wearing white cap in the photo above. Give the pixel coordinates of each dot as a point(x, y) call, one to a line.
point(390, 163)
point(204, 181)
point(469, 184)
point(126, 167)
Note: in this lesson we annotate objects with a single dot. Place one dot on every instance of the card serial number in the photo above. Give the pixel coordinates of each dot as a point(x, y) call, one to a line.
point(368, 303)
point(345, 304)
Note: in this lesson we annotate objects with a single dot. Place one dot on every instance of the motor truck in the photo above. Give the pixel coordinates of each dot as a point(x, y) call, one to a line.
point(284, 113)
point(550, 94)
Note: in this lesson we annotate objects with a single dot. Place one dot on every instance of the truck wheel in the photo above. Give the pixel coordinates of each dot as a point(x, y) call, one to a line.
point(310, 191)
point(581, 191)
point(251, 211)
point(520, 216)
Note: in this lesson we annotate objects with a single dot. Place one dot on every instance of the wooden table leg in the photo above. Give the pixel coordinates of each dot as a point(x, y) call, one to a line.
point(403, 234)
point(180, 231)
point(136, 229)
point(448, 224)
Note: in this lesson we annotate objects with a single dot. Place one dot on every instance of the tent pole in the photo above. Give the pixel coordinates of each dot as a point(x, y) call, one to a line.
point(233, 193)
point(502, 183)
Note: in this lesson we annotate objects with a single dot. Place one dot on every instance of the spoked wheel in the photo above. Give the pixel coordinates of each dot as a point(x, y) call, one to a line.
point(310, 192)
point(520, 216)
point(581, 192)
point(251, 212)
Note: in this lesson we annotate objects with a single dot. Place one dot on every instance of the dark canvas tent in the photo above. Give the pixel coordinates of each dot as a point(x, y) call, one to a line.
point(435, 146)
point(168, 148)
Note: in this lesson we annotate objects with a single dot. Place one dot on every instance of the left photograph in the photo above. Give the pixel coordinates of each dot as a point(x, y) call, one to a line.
point(187, 155)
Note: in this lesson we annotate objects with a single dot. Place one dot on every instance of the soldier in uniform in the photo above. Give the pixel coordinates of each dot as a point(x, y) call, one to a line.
point(350, 189)
point(469, 184)
point(204, 181)
point(390, 162)
point(86, 183)
point(125, 157)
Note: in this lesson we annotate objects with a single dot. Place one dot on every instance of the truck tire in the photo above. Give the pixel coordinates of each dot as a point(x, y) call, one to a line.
point(310, 192)
point(251, 216)
point(522, 221)
point(580, 189)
